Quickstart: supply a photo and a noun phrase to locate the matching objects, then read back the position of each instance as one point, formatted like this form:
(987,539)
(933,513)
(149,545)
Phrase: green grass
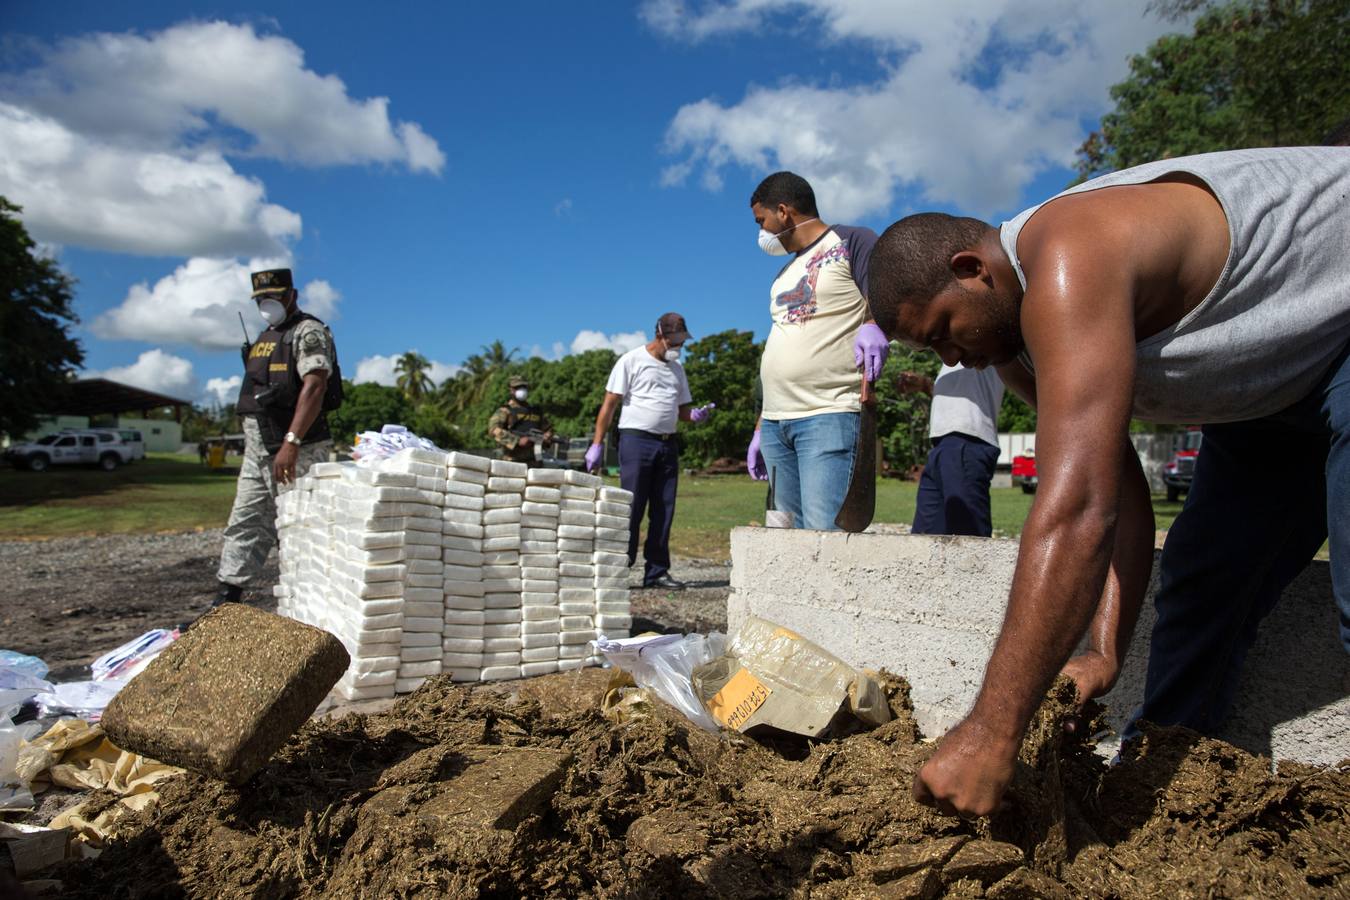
(173,492)
(163,492)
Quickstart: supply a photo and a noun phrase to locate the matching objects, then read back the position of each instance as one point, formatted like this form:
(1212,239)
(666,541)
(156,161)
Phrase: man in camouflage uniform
(511,425)
(291,382)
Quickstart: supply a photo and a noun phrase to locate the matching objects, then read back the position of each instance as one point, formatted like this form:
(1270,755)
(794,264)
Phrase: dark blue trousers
(954,488)
(650,468)
(1265,496)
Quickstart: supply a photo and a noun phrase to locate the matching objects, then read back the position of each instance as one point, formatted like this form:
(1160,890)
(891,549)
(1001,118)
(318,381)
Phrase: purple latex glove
(593,458)
(755,460)
(699,413)
(870,349)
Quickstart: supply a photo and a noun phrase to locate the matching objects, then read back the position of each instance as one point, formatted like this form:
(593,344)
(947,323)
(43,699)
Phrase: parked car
(129,438)
(69,448)
(1180,469)
(1024,471)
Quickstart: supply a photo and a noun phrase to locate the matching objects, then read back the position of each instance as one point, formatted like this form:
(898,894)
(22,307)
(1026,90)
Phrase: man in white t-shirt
(963,426)
(650,384)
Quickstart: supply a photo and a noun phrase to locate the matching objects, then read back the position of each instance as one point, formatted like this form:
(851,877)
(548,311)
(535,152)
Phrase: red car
(1180,469)
(1024,471)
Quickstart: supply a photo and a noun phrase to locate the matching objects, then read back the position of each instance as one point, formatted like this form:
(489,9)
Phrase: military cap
(518,381)
(272,281)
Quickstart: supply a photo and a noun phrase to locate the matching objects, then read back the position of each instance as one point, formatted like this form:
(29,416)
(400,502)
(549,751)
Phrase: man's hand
(699,413)
(593,458)
(283,465)
(1093,673)
(968,774)
(754,460)
(870,349)
(522,441)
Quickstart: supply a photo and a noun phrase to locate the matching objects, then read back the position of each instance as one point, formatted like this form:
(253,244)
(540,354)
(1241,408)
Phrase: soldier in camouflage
(517,425)
(291,382)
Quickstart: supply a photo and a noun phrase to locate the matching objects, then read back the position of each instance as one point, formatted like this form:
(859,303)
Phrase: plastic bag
(662,664)
(127,661)
(373,446)
(14,791)
(14,661)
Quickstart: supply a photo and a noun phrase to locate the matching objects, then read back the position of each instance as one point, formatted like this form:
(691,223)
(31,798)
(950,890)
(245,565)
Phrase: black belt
(650,434)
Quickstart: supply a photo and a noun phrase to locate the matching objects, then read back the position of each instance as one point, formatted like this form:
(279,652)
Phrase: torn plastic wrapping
(663,664)
(771,676)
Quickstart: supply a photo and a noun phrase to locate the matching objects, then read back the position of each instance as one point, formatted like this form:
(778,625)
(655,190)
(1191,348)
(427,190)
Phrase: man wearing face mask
(291,382)
(511,425)
(650,384)
(822,333)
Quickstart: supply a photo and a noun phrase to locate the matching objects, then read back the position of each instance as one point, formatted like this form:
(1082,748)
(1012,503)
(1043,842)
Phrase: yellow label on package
(738,699)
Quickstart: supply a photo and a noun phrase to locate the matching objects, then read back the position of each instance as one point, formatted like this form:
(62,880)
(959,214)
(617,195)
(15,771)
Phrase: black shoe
(228,593)
(665,583)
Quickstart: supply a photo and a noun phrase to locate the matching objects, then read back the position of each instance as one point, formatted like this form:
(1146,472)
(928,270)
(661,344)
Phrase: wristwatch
(291,438)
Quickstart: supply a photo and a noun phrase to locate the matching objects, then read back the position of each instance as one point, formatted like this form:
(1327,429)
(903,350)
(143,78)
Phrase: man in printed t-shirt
(805,439)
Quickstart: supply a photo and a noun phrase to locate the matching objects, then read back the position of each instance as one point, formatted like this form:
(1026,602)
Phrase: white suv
(72,448)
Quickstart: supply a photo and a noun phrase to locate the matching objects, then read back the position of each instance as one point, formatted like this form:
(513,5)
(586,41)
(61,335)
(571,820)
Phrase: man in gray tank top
(1209,289)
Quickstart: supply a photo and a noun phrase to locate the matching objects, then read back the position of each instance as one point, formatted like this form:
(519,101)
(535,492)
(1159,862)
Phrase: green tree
(902,419)
(723,368)
(367,407)
(413,379)
(1015,416)
(37,355)
(1258,73)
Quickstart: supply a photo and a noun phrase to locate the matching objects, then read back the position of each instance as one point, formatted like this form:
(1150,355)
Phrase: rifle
(244,347)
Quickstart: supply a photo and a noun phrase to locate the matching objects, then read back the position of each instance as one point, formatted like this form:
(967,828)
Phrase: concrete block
(929,608)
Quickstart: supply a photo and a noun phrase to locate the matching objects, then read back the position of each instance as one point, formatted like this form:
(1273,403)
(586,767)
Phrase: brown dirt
(527,790)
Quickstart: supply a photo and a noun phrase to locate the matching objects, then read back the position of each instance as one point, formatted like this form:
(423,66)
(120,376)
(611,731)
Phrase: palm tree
(413,379)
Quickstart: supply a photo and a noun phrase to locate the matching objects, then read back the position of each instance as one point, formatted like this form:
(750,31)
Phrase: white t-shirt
(966,400)
(653,391)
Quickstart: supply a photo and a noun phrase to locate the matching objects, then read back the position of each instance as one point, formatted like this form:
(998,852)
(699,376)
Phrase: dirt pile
(458,792)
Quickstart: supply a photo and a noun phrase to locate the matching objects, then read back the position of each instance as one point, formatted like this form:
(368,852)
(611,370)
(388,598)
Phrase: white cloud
(120,141)
(79,191)
(622,342)
(557,351)
(199,304)
(155,370)
(380,370)
(980,96)
(220,391)
(179,85)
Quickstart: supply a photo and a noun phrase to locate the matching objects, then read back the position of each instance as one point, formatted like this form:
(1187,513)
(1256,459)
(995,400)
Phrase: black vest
(271,387)
(523,419)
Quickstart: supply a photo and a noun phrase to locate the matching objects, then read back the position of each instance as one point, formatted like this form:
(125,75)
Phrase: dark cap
(518,381)
(272,281)
(671,326)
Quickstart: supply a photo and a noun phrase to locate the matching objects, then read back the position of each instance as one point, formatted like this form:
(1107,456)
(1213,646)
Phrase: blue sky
(551,175)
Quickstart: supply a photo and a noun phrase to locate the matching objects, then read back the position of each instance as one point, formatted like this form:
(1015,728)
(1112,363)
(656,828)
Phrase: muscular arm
(1077,320)
(310,403)
(606,415)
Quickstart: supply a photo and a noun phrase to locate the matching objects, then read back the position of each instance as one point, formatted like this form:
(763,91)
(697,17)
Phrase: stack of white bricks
(359,558)
(539,571)
(501,570)
(613,605)
(463,636)
(428,563)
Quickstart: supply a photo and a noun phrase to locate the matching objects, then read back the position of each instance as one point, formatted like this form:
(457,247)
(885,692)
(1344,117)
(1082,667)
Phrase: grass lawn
(163,492)
(174,492)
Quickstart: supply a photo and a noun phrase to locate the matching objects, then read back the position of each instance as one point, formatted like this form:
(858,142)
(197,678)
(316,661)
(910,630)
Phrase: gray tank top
(1279,313)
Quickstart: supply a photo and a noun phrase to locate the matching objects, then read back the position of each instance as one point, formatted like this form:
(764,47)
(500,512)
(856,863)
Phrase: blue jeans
(810,461)
(650,468)
(1266,494)
(954,489)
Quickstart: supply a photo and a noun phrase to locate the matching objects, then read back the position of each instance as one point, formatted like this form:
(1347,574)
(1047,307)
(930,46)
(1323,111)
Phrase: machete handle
(868,391)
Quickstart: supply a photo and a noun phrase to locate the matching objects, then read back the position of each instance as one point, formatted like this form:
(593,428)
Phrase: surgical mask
(771,244)
(521,394)
(672,354)
(272,311)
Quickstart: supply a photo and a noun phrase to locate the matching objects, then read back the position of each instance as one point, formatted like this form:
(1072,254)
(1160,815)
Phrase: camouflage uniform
(523,417)
(252,529)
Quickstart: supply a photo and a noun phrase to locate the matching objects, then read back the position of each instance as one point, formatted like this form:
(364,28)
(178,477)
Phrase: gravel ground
(70,600)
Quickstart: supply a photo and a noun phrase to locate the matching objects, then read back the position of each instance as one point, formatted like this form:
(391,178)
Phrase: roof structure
(99,396)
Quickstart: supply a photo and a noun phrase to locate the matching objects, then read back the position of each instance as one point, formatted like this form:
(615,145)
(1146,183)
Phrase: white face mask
(672,354)
(272,311)
(771,244)
(521,394)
